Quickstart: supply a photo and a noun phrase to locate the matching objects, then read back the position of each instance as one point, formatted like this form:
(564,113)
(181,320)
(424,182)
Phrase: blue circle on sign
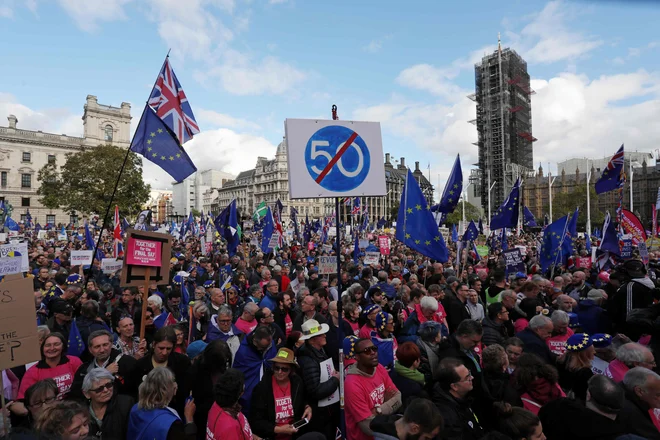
(349,170)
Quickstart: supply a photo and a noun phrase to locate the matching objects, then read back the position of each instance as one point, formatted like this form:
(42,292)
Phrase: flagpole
(588,228)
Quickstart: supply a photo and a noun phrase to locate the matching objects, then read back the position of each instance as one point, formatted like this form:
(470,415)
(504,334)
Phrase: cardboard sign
(10,265)
(514,261)
(81,258)
(111,265)
(372,258)
(143,252)
(7,250)
(583,262)
(135,275)
(19,343)
(3,237)
(327,265)
(384,244)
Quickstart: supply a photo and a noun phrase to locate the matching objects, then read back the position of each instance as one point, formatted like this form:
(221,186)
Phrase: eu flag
(503,243)
(571,235)
(454,234)
(612,177)
(471,233)
(587,243)
(415,225)
(610,241)
(506,215)
(551,245)
(268,231)
(76,346)
(89,241)
(453,188)
(226,223)
(528,217)
(155,142)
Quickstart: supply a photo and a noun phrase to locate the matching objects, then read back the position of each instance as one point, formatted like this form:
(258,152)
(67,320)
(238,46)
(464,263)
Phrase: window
(73,219)
(51,159)
(3,179)
(26,180)
(27,157)
(108,133)
(25,201)
(50,218)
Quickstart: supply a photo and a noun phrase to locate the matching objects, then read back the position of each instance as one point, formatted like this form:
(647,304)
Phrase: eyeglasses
(46,400)
(468,378)
(369,350)
(102,388)
(277,368)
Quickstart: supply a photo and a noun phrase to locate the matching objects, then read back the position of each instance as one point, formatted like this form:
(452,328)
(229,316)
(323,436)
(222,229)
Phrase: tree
(196,213)
(565,203)
(86,181)
(471,213)
(394,210)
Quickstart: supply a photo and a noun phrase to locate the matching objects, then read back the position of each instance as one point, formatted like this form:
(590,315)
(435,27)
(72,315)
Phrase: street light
(550,182)
(631,182)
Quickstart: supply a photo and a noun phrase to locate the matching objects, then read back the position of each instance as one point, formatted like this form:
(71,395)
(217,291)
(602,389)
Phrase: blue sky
(248,65)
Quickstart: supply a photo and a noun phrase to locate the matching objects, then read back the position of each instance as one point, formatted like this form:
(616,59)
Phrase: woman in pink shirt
(225,419)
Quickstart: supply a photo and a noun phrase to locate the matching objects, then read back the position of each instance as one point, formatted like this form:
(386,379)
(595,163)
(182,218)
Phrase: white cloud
(222,149)
(55,120)
(87,13)
(277,2)
(7,7)
(432,79)
(373,46)
(222,120)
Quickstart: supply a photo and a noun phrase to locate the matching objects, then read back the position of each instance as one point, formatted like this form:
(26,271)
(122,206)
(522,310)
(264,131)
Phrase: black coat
(124,378)
(460,421)
(457,311)
(115,420)
(332,345)
(493,333)
(535,345)
(497,387)
(409,389)
(565,418)
(262,409)
(298,322)
(279,316)
(636,418)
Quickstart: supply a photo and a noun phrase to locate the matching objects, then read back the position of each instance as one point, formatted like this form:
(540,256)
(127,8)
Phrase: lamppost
(550,182)
(464,199)
(631,181)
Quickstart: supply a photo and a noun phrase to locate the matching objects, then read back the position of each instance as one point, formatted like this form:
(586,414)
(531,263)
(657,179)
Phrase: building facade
(269,181)
(160,203)
(190,193)
(504,124)
(24,152)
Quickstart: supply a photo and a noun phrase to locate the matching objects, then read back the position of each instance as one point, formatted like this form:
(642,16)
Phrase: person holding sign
(279,400)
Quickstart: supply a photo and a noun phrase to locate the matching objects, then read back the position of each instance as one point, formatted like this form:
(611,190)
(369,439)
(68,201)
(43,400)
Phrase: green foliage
(471,213)
(86,181)
(196,213)
(394,210)
(565,203)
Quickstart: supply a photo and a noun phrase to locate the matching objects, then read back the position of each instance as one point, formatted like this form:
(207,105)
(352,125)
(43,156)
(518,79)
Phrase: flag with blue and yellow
(506,215)
(551,245)
(76,346)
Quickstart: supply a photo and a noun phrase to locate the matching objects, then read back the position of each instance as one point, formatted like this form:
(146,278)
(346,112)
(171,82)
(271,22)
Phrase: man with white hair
(629,356)
(560,332)
(642,398)
(156,304)
(534,337)
(424,311)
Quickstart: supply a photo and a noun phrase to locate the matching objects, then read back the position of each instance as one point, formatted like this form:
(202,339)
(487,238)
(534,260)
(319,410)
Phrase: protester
(108,411)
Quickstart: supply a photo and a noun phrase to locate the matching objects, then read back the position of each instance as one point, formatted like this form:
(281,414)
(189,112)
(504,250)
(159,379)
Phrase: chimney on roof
(403,163)
(416,166)
(12,121)
(387,158)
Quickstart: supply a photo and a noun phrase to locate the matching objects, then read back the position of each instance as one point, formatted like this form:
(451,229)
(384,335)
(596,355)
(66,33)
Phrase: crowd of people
(248,346)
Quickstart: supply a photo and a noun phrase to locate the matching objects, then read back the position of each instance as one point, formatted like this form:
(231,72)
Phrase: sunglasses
(102,388)
(368,350)
(277,368)
(42,402)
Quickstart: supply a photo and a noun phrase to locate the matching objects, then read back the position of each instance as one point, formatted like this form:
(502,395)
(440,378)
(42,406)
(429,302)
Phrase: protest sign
(135,274)
(327,248)
(384,244)
(143,252)
(514,261)
(19,343)
(626,249)
(41,235)
(583,263)
(8,250)
(327,265)
(81,258)
(10,265)
(482,250)
(111,265)
(643,252)
(363,244)
(3,237)
(372,258)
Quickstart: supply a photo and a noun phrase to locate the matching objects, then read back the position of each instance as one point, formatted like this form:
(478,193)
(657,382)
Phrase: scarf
(543,391)
(408,373)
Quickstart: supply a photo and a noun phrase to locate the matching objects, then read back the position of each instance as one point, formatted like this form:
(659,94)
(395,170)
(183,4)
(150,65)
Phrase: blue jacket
(268,301)
(252,363)
(387,289)
(592,318)
(215,333)
(150,424)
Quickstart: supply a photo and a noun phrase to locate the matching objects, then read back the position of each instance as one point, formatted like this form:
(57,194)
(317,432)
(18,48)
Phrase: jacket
(593,318)
(493,333)
(409,388)
(636,418)
(568,419)
(115,421)
(279,316)
(262,412)
(157,424)
(534,344)
(298,322)
(332,341)
(460,421)
(410,327)
(637,293)
(457,311)
(124,378)
(269,301)
(310,360)
(251,362)
(384,427)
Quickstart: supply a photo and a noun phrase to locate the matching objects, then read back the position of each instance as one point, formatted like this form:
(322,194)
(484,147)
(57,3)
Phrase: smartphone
(300,423)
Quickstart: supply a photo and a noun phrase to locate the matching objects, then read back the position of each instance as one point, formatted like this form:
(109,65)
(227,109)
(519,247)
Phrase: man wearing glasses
(370,391)
(450,394)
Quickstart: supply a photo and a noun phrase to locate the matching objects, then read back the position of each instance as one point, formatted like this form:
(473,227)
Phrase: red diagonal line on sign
(335,159)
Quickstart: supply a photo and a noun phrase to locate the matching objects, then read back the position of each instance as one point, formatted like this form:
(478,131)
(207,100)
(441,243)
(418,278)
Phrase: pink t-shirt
(616,370)
(283,407)
(62,374)
(221,425)
(441,314)
(365,332)
(557,344)
(355,326)
(288,324)
(244,326)
(365,393)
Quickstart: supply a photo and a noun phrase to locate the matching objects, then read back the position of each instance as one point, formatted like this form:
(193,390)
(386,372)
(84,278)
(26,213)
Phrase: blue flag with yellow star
(226,223)
(506,215)
(551,245)
(76,346)
(156,143)
(471,233)
(453,188)
(571,234)
(268,231)
(416,227)
(528,217)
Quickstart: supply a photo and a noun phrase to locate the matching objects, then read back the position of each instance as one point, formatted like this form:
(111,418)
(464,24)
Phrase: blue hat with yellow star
(208,284)
(579,342)
(381,320)
(349,346)
(74,279)
(573,320)
(602,340)
(370,308)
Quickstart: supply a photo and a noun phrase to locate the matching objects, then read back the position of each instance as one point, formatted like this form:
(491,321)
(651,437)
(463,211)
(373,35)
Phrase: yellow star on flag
(160,130)
(418,207)
(417,241)
(171,157)
(409,210)
(152,134)
(407,235)
(149,142)
(427,242)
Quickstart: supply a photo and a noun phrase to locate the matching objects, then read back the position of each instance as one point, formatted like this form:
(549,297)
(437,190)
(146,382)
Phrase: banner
(372,258)
(514,261)
(384,244)
(583,263)
(142,252)
(632,225)
(10,265)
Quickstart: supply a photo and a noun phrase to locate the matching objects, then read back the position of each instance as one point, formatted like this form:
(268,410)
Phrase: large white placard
(323,163)
(21,248)
(81,257)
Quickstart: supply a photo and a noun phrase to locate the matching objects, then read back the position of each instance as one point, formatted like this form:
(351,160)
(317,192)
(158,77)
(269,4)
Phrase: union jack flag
(616,160)
(356,206)
(116,235)
(171,105)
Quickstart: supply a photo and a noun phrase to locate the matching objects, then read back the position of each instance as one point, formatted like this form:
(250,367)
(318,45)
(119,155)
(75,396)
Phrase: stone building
(24,152)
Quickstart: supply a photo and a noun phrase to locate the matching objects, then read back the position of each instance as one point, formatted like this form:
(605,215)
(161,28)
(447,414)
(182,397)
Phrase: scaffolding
(504,122)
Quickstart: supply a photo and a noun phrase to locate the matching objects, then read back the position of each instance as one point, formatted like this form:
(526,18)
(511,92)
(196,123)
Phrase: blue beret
(370,308)
(209,283)
(602,340)
(74,279)
(381,320)
(573,320)
(579,342)
(349,346)
(177,280)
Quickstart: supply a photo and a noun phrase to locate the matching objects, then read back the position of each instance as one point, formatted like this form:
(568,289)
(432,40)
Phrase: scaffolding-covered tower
(504,123)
